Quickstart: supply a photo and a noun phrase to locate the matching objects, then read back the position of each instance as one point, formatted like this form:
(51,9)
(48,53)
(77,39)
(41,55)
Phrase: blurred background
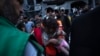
(32,7)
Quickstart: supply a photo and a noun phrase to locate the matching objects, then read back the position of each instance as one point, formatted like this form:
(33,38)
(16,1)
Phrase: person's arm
(64,47)
(53,41)
(65,51)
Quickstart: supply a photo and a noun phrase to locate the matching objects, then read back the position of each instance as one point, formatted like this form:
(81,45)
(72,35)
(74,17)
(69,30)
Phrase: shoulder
(89,16)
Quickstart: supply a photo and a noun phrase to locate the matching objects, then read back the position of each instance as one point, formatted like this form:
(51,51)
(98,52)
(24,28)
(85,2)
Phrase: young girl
(37,31)
(53,40)
(62,44)
(60,35)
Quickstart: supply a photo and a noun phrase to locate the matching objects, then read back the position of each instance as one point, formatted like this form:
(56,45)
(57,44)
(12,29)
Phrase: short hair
(25,18)
(57,11)
(49,9)
(8,11)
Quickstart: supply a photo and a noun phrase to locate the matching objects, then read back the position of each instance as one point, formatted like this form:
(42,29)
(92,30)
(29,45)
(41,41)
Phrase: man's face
(62,11)
(10,9)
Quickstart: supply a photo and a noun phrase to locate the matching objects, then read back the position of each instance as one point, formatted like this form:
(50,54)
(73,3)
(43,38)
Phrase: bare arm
(65,51)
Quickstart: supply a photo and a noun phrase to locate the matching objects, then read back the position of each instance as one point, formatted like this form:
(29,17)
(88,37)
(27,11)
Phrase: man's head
(62,10)
(37,16)
(49,10)
(25,19)
(10,9)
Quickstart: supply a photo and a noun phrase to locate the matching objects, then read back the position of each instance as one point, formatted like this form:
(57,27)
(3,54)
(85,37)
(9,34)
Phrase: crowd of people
(44,36)
(53,28)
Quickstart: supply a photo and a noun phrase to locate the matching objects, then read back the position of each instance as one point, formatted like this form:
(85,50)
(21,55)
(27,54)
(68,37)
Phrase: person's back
(28,26)
(85,35)
(15,41)
(6,38)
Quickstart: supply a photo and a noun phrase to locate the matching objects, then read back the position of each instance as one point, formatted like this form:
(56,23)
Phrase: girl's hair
(50,23)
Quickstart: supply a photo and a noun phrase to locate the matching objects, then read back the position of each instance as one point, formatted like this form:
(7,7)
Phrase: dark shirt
(85,34)
(20,26)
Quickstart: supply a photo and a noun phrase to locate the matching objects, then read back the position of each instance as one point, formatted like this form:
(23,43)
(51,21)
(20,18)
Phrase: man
(65,22)
(85,36)
(20,24)
(49,13)
(14,42)
(29,25)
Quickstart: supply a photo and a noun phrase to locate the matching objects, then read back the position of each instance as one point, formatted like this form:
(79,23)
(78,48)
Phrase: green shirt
(12,40)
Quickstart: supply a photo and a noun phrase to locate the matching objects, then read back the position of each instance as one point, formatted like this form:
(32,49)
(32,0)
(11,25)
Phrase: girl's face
(38,25)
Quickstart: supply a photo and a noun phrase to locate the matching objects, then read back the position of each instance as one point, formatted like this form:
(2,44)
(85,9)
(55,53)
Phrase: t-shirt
(28,26)
(38,35)
(30,50)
